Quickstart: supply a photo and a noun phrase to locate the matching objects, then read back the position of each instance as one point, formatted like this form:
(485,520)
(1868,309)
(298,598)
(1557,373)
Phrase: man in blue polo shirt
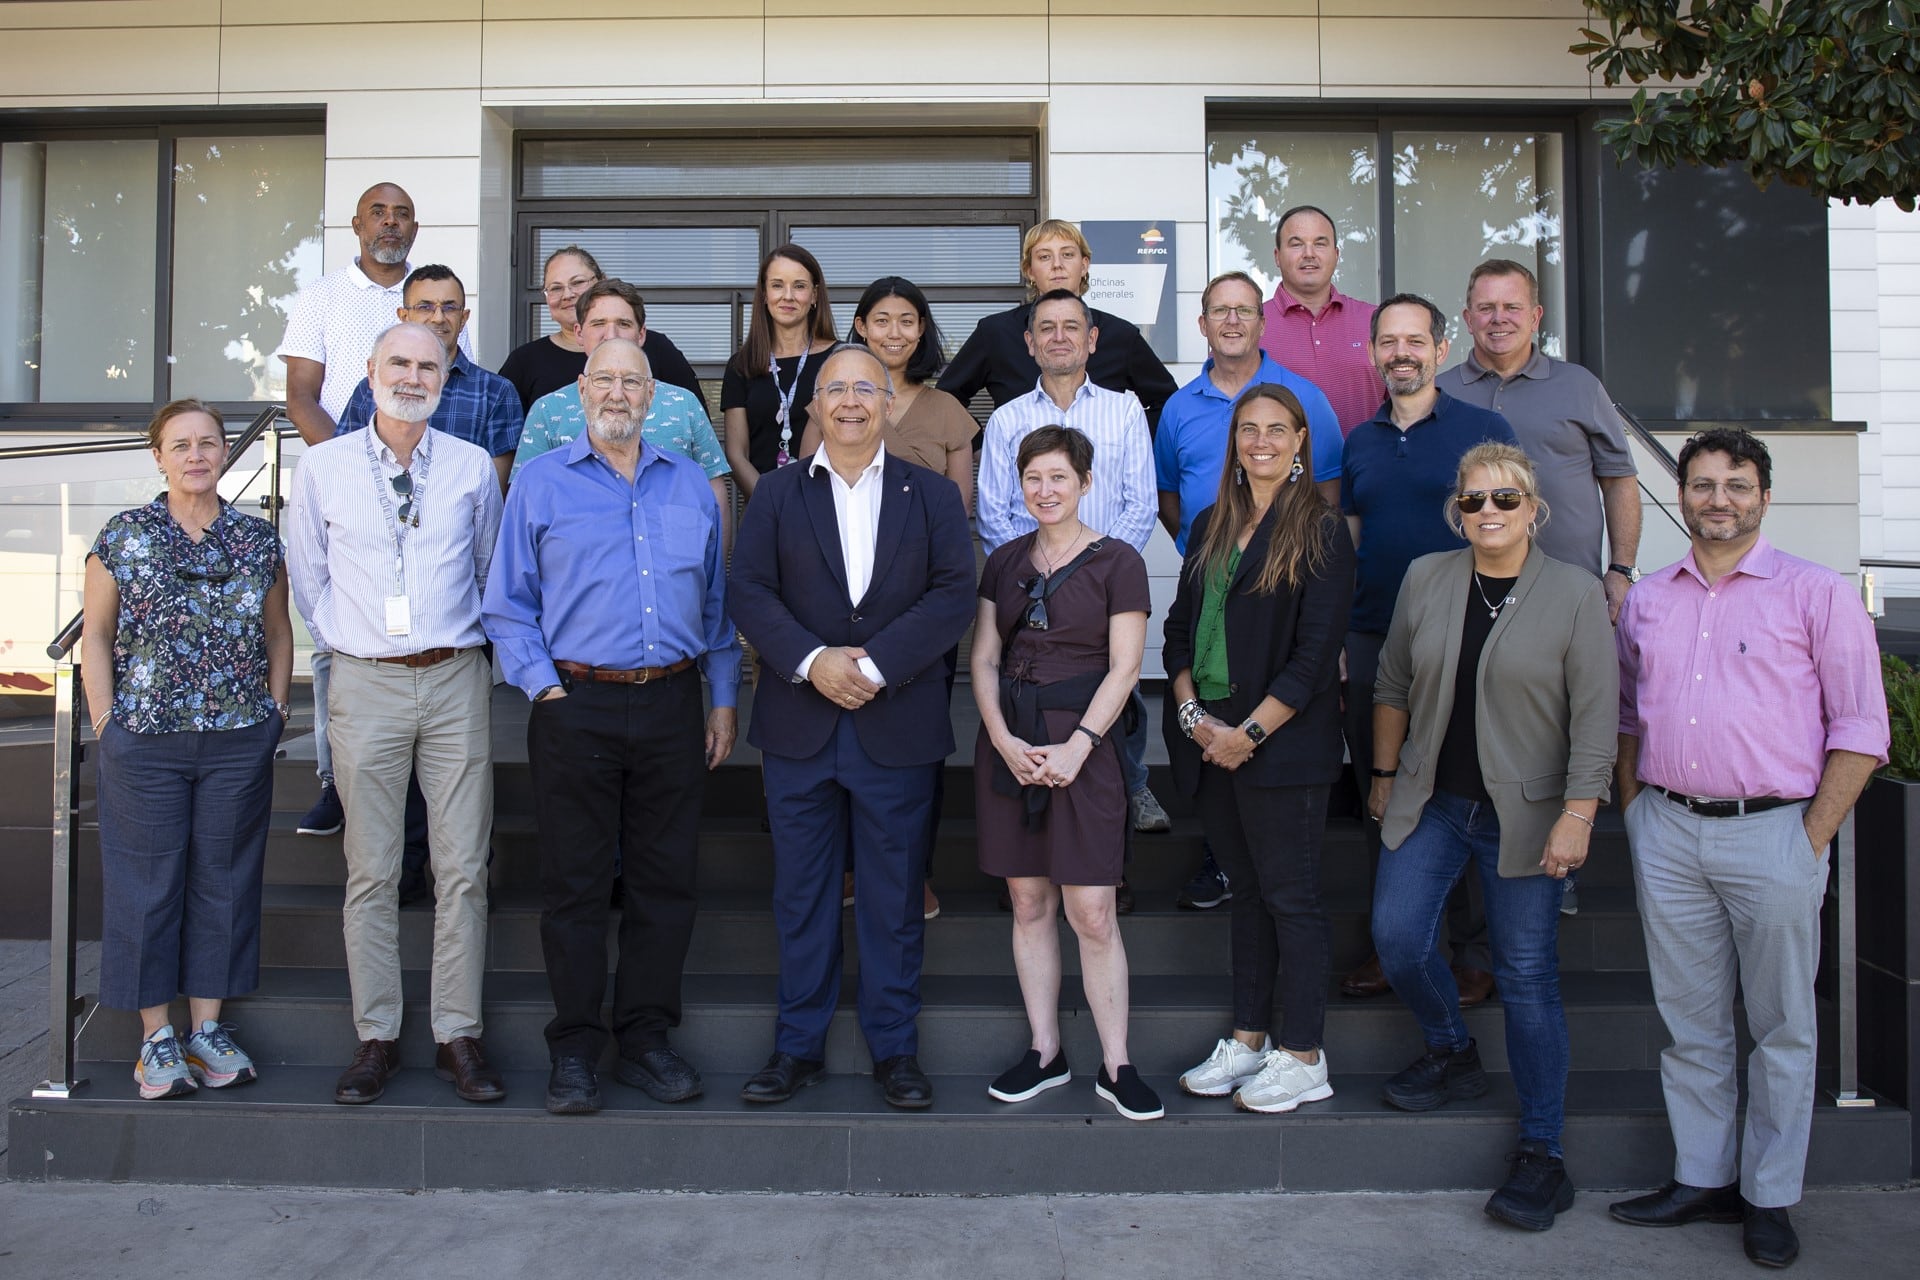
(1191,448)
(1397,475)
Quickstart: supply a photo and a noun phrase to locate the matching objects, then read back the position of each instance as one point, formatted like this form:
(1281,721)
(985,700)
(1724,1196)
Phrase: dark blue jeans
(1523,920)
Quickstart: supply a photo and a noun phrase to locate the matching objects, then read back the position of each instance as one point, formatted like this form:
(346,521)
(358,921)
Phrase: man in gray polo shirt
(1565,420)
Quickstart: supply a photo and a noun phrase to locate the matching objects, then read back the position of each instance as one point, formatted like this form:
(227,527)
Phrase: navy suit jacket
(788,595)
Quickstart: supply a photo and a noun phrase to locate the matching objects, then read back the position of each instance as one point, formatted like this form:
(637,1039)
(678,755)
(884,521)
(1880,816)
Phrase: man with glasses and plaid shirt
(389,542)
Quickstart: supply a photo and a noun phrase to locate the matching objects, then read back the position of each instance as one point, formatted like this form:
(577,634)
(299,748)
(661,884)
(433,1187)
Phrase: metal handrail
(69,712)
(1647,438)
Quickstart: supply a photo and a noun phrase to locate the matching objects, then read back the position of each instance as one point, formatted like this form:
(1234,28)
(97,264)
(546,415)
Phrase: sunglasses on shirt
(1505,499)
(403,486)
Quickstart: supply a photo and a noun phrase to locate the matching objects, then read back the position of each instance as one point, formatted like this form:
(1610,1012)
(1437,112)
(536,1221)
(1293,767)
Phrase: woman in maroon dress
(1056,651)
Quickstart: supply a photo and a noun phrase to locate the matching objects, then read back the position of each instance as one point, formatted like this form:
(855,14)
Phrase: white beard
(401,409)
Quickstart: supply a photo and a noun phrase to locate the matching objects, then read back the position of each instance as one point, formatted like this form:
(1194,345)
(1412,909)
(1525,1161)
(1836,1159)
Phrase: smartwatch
(1255,734)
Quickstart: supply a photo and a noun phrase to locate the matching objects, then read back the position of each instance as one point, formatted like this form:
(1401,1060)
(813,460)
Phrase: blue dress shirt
(475,405)
(1191,446)
(593,569)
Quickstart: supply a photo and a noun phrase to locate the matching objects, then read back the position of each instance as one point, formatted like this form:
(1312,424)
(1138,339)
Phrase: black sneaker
(1129,1094)
(327,816)
(1535,1190)
(1438,1077)
(1207,890)
(1027,1078)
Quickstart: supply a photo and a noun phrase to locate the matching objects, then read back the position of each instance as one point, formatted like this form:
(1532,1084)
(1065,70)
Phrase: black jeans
(617,767)
(1267,840)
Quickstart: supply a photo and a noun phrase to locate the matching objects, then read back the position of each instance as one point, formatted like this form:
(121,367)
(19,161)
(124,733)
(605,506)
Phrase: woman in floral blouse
(186,654)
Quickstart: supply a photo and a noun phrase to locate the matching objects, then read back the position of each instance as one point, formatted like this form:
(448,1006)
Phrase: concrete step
(839,1137)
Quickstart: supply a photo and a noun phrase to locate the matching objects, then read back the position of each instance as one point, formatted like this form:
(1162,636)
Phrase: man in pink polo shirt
(1314,329)
(1751,715)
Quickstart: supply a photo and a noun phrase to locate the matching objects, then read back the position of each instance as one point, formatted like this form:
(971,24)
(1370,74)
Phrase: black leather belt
(1726,808)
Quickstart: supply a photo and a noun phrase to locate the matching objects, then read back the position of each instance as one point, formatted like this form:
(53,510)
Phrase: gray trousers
(389,721)
(1726,899)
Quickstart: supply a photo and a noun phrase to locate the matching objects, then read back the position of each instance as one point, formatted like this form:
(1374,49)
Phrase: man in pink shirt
(1751,716)
(1314,329)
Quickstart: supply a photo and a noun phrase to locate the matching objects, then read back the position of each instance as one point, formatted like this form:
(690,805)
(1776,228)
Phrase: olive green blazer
(1548,709)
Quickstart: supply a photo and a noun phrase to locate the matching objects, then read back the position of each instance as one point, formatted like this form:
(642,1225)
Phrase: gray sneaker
(162,1071)
(215,1060)
(1146,813)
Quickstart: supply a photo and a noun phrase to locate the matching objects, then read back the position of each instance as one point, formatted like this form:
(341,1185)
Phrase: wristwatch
(1630,572)
(1255,734)
(542,695)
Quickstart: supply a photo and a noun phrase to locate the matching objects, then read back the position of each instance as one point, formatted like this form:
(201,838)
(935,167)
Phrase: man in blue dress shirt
(608,591)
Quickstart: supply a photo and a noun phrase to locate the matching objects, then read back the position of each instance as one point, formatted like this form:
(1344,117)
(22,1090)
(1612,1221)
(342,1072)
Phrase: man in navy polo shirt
(1397,475)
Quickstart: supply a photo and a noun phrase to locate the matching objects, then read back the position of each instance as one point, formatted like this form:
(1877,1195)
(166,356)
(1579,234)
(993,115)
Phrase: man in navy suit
(852,577)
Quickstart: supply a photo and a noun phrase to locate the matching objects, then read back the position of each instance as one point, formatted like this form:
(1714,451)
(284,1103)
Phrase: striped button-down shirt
(341,557)
(1122,502)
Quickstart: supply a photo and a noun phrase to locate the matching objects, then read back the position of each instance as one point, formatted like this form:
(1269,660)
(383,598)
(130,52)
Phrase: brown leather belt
(425,658)
(615,675)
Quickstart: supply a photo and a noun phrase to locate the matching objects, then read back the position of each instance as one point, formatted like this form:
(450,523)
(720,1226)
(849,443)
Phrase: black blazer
(1286,644)
(788,594)
(995,356)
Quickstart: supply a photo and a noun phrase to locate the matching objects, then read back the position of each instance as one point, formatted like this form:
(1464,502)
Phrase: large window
(151,264)
(1416,204)
(686,219)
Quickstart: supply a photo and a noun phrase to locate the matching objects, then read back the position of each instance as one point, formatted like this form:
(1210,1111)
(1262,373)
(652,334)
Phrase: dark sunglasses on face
(1505,499)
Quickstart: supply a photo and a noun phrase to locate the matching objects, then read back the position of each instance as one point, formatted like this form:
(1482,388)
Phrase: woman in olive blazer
(1494,728)
(1253,731)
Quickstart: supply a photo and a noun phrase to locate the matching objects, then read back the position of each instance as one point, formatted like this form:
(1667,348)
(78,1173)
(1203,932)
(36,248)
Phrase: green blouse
(1210,681)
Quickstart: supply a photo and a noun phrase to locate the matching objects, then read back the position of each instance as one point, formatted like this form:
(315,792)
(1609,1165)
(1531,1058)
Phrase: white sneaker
(1284,1083)
(1230,1065)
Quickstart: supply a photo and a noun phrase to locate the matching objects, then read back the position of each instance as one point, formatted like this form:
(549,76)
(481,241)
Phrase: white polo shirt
(335,321)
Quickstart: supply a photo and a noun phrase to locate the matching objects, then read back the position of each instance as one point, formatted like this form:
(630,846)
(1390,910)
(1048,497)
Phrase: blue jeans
(1133,751)
(1523,921)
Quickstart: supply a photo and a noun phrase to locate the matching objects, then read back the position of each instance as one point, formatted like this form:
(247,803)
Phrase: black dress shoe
(1677,1204)
(903,1083)
(662,1074)
(782,1077)
(1768,1237)
(573,1088)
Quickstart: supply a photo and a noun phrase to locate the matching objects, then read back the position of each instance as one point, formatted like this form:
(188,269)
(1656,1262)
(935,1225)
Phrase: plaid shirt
(479,407)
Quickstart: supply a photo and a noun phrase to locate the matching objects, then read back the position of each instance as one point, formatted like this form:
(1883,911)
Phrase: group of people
(1381,562)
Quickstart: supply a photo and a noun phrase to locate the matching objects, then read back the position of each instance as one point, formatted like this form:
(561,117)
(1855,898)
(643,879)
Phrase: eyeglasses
(1505,499)
(428,310)
(1037,591)
(1220,315)
(632,383)
(561,288)
(403,485)
(215,568)
(865,391)
(1738,490)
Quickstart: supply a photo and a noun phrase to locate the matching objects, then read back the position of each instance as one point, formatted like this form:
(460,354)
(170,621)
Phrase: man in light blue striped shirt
(1122,500)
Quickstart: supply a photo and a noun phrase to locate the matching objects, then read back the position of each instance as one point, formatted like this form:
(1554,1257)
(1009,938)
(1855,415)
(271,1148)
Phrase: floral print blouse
(190,653)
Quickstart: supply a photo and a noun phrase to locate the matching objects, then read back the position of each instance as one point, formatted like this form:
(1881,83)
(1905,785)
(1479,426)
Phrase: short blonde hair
(1052,229)
(1511,468)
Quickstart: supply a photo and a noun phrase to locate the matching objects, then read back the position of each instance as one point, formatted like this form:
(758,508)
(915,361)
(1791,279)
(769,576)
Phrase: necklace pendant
(1493,613)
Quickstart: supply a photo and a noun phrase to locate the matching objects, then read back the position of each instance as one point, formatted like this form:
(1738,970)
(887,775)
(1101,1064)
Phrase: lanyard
(381,485)
(785,416)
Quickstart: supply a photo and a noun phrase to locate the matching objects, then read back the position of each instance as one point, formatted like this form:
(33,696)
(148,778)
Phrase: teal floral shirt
(190,654)
(676,422)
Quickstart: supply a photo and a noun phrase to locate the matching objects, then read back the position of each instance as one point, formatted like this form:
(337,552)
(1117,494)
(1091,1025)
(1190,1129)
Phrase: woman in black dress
(1056,651)
(769,380)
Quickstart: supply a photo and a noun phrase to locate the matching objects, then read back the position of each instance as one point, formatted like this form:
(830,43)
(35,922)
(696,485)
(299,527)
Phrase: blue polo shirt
(1191,446)
(1399,483)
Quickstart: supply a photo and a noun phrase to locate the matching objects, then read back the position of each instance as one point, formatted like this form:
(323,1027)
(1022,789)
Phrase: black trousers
(1267,840)
(617,767)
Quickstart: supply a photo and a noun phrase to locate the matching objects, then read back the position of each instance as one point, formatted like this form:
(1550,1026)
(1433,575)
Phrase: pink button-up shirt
(1740,689)
(1333,351)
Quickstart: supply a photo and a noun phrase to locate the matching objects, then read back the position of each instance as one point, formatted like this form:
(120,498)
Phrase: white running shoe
(1284,1083)
(1230,1065)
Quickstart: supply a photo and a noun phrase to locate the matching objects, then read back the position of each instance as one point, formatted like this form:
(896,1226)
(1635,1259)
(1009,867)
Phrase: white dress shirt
(335,321)
(1123,501)
(856,510)
(340,552)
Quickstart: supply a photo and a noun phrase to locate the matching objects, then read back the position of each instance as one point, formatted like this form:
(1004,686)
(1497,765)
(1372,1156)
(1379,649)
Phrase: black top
(543,366)
(1458,769)
(761,399)
(996,358)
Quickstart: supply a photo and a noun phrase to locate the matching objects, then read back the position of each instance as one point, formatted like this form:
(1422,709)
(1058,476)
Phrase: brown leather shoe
(1475,986)
(464,1062)
(1365,982)
(365,1079)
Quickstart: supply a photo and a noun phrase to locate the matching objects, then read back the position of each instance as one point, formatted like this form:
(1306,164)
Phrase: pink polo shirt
(1739,690)
(1332,350)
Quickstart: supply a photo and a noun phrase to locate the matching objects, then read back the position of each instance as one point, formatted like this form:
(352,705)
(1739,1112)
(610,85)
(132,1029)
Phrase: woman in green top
(1253,732)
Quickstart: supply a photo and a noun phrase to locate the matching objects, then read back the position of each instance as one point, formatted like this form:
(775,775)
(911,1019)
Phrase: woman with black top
(1253,729)
(547,364)
(1494,722)
(769,381)
(1054,255)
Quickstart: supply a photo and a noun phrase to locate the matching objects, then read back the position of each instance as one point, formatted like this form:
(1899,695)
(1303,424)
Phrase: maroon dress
(1081,837)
